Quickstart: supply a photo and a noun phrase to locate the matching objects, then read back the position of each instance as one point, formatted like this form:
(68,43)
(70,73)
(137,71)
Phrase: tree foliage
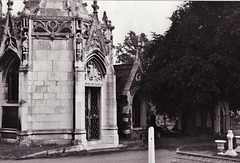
(133,44)
(197,61)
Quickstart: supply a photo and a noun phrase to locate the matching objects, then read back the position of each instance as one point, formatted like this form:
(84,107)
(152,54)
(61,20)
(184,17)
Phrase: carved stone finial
(95,6)
(25,2)
(105,18)
(26,10)
(10,4)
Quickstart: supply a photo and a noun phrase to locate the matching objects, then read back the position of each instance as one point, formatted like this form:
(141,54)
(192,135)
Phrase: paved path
(162,156)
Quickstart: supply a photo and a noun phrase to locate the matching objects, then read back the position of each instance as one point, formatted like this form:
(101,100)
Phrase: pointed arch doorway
(94,78)
(139,110)
(136,112)
(10,64)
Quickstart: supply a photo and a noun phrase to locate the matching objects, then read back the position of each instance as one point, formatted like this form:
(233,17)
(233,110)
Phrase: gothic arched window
(12,82)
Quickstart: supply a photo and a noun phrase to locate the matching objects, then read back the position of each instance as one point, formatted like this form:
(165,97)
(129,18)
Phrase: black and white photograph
(119,81)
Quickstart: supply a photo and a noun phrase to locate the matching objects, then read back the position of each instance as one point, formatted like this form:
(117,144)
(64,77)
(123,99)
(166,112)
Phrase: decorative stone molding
(79,41)
(93,74)
(52,28)
(25,51)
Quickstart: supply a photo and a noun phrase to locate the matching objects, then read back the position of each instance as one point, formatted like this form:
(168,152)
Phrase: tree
(197,61)
(132,46)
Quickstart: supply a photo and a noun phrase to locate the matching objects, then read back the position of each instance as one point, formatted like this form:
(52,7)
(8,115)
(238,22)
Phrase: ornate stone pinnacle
(10,4)
(105,18)
(95,6)
(26,10)
(25,2)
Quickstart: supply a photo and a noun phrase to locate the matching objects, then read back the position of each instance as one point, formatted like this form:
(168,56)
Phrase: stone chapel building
(57,82)
(133,104)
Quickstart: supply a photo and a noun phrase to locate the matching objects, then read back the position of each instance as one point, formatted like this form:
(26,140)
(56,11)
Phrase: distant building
(133,104)
(57,82)
(211,121)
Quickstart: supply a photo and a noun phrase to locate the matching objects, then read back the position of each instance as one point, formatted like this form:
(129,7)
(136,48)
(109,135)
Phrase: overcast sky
(138,16)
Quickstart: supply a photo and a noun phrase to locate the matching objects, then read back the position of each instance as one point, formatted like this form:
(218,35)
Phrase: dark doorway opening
(136,111)
(92,113)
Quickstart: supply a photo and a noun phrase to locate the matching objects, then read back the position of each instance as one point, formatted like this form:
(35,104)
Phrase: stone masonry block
(29,118)
(30,83)
(53,103)
(65,88)
(53,55)
(66,125)
(64,83)
(42,44)
(42,117)
(51,125)
(64,95)
(40,89)
(53,89)
(41,102)
(64,55)
(50,96)
(71,55)
(70,89)
(34,55)
(54,76)
(50,83)
(52,117)
(32,76)
(42,66)
(37,125)
(32,102)
(37,96)
(43,110)
(62,66)
(60,44)
(66,102)
(70,44)
(42,55)
(35,83)
(31,88)
(43,76)
(64,110)
(64,75)
(70,76)
(65,117)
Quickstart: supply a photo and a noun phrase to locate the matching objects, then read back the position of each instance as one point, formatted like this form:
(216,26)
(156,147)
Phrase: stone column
(217,120)
(227,116)
(23,80)
(23,105)
(109,129)
(80,131)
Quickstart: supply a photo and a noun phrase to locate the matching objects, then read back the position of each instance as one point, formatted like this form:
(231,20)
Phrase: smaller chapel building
(133,105)
(57,82)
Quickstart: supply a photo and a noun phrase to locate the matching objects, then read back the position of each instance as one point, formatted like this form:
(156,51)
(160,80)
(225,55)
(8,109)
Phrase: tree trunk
(189,127)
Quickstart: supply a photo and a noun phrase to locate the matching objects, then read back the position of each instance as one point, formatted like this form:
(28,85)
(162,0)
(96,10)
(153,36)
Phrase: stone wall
(51,85)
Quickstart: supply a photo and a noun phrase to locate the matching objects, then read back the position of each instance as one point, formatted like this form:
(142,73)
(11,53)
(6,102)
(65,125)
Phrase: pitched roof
(122,74)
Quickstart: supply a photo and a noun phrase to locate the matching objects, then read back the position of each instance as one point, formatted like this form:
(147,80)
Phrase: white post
(151,147)
(230,151)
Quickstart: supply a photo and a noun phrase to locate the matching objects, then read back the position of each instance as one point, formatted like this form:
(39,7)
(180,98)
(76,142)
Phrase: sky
(138,16)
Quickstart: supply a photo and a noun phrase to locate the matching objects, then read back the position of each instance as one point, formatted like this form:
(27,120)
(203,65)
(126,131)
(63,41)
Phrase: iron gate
(92,109)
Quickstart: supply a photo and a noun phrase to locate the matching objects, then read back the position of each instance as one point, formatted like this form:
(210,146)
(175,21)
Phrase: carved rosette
(93,73)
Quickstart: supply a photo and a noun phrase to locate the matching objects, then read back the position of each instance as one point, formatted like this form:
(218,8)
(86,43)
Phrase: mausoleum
(57,82)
